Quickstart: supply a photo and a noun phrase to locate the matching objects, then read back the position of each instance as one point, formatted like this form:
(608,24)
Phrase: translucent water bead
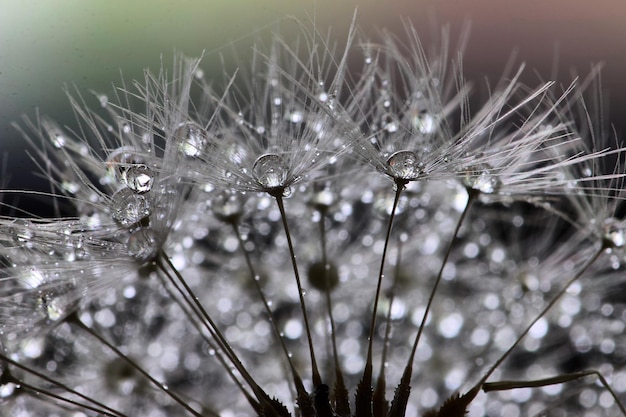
(138,178)
(404,165)
(423,122)
(142,244)
(615,232)
(271,171)
(481,179)
(55,306)
(119,161)
(128,208)
(192,138)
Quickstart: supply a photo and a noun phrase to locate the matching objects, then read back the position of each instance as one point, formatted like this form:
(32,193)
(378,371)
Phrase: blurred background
(47,44)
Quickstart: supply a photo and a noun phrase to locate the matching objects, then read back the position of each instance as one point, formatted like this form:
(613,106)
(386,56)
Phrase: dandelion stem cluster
(329,231)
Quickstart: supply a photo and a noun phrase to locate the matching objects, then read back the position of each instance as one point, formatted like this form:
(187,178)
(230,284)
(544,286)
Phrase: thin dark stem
(192,300)
(193,319)
(329,305)
(73,319)
(109,412)
(399,187)
(380,405)
(36,392)
(396,276)
(317,380)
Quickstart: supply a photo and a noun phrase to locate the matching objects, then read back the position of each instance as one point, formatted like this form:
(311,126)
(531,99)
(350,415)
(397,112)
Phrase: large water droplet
(404,165)
(270,171)
(193,139)
(128,208)
(138,178)
(142,244)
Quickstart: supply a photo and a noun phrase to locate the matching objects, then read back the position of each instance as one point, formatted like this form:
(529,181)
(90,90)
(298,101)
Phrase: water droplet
(119,161)
(142,244)
(481,179)
(424,122)
(193,139)
(296,116)
(128,208)
(103,99)
(56,304)
(615,231)
(58,140)
(138,178)
(270,171)
(404,165)
(70,186)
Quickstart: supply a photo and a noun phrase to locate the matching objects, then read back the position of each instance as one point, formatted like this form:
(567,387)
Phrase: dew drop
(58,140)
(119,161)
(296,116)
(128,208)
(424,122)
(142,244)
(70,186)
(404,165)
(270,171)
(193,139)
(615,231)
(138,178)
(56,304)
(480,179)
(103,99)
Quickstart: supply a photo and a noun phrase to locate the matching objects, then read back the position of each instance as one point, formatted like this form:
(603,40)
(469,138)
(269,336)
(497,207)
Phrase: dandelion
(169,283)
